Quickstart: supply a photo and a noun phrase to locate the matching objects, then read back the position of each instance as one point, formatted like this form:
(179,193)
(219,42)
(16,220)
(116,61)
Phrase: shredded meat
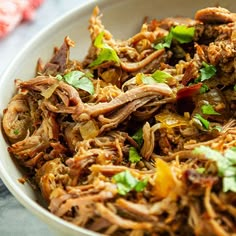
(16,119)
(111,146)
(215,15)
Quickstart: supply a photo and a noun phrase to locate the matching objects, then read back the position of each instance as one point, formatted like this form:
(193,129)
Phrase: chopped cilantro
(204,89)
(233,149)
(148,80)
(181,33)
(141,185)
(59,77)
(73,77)
(106,53)
(16,131)
(126,182)
(208,109)
(201,170)
(231,155)
(226,164)
(161,76)
(206,72)
(229,183)
(205,123)
(157,77)
(78,79)
(166,42)
(134,155)
(138,137)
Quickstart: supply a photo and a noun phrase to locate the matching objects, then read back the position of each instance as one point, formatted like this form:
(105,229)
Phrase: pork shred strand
(77,144)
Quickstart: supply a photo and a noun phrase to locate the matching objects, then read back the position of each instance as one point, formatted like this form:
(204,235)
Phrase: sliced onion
(171,120)
(49,91)
(89,129)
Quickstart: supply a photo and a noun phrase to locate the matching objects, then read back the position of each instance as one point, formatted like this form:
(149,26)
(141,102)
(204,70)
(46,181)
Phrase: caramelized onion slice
(171,120)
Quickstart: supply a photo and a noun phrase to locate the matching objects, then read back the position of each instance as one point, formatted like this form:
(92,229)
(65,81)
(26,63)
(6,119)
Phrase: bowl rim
(35,208)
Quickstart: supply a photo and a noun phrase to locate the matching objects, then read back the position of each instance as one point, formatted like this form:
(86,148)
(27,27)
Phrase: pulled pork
(120,158)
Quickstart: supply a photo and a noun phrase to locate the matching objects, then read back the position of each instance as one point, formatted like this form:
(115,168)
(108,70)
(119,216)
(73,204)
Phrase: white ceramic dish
(122,18)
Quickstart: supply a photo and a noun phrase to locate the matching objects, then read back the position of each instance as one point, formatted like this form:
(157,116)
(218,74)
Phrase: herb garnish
(106,53)
(126,182)
(208,109)
(138,137)
(201,170)
(166,42)
(206,72)
(226,164)
(148,80)
(204,88)
(78,79)
(134,155)
(16,131)
(157,77)
(205,123)
(161,76)
(181,33)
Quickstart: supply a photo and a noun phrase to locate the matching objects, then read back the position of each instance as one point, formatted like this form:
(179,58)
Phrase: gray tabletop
(14,218)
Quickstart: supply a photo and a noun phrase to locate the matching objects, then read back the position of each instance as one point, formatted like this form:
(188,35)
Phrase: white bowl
(123,18)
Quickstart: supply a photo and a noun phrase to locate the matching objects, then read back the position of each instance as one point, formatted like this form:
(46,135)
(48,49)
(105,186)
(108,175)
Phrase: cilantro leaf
(134,155)
(126,182)
(226,164)
(166,42)
(235,87)
(201,170)
(230,154)
(86,85)
(79,79)
(106,53)
(161,76)
(157,77)
(233,149)
(229,184)
(204,88)
(59,77)
(183,34)
(222,163)
(98,42)
(148,80)
(205,123)
(73,77)
(208,109)
(16,131)
(138,137)
(141,185)
(206,72)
